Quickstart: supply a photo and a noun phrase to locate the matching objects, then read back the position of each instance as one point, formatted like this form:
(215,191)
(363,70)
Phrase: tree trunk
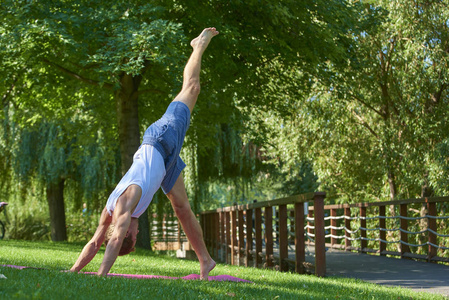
(143,237)
(392,184)
(128,119)
(129,137)
(426,191)
(55,198)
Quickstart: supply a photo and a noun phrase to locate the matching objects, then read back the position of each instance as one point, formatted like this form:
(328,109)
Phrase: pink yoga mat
(136,276)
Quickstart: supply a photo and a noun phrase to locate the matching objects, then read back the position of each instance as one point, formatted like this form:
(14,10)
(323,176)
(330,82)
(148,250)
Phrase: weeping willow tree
(46,155)
(52,141)
(227,161)
(233,170)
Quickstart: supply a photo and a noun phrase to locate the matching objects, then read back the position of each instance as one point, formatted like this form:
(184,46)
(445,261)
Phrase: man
(156,164)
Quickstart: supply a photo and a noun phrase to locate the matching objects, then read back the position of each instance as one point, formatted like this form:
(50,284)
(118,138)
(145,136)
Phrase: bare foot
(202,41)
(206,268)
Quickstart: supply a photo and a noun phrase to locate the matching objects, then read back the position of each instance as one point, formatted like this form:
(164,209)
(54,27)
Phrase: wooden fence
(412,228)
(246,234)
(167,233)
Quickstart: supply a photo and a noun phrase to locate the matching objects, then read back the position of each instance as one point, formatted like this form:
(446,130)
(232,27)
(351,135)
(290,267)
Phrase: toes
(212,30)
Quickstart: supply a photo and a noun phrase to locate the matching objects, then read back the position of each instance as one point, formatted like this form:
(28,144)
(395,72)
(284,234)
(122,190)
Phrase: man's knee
(181,208)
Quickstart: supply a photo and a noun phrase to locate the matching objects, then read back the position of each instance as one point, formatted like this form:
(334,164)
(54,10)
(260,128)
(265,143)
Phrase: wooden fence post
(269,236)
(222,235)
(212,236)
(432,225)
(276,213)
(216,226)
(300,253)
(404,226)
(234,234)
(178,237)
(258,224)
(217,233)
(241,240)
(283,238)
(210,231)
(204,227)
(382,232)
(228,235)
(363,241)
(206,232)
(164,226)
(249,238)
(347,228)
(320,241)
(333,225)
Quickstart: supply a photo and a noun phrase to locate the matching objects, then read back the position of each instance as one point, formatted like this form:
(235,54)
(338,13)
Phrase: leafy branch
(77,76)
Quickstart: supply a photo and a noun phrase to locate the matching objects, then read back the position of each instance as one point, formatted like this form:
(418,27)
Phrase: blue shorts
(167,136)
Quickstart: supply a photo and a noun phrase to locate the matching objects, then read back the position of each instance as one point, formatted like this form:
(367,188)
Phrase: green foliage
(27,216)
(111,37)
(373,130)
(28,227)
(81,226)
(440,168)
(247,71)
(65,129)
(27,221)
(49,153)
(352,96)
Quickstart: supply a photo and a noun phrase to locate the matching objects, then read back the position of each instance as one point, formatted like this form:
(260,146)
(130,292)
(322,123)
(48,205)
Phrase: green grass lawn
(267,284)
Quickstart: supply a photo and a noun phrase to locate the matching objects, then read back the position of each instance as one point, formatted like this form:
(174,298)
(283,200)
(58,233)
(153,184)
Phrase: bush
(81,226)
(25,226)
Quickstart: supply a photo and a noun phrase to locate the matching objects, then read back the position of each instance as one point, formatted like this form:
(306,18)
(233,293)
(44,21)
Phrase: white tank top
(147,171)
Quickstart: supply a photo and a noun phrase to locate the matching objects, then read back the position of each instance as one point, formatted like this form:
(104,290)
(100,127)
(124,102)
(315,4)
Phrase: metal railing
(412,228)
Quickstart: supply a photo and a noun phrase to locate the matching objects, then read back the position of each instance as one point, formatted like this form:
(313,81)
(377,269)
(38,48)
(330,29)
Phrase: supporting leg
(190,225)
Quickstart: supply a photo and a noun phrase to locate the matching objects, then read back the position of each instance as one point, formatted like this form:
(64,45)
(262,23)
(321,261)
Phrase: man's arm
(92,247)
(115,243)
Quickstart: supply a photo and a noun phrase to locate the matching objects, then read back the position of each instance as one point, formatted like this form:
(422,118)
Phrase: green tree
(378,127)
(135,50)
(56,145)
(109,47)
(267,55)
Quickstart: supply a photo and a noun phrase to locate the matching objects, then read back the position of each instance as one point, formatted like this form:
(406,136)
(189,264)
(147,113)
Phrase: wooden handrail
(270,203)
(386,203)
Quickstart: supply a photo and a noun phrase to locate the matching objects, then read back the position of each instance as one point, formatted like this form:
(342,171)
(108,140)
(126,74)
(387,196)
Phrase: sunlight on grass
(267,284)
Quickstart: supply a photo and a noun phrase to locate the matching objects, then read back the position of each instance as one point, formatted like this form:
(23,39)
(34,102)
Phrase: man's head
(130,239)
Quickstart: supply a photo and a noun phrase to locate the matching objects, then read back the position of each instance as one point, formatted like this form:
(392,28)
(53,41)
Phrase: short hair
(127,245)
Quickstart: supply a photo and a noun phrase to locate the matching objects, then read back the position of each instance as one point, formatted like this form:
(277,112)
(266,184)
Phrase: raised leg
(190,225)
(191,77)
